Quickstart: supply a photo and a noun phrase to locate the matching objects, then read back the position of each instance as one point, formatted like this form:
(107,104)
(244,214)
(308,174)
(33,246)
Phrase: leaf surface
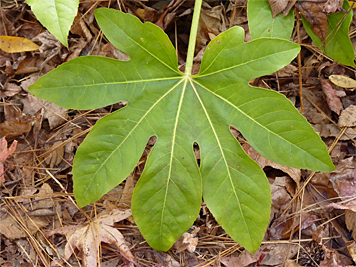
(338,45)
(56,15)
(262,24)
(180,110)
(13,44)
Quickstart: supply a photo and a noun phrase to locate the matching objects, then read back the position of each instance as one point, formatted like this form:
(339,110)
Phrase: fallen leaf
(348,117)
(10,89)
(295,174)
(331,130)
(188,241)
(333,6)
(4,153)
(27,66)
(41,198)
(343,180)
(125,200)
(277,253)
(56,115)
(277,6)
(244,259)
(287,71)
(312,11)
(12,44)
(291,263)
(50,46)
(11,228)
(330,258)
(331,97)
(87,238)
(56,155)
(342,81)
(350,220)
(10,129)
(351,246)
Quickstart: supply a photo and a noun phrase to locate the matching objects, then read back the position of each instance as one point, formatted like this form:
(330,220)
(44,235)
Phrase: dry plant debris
(313,219)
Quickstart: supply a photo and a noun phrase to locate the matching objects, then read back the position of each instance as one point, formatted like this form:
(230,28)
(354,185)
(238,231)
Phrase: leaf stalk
(193,37)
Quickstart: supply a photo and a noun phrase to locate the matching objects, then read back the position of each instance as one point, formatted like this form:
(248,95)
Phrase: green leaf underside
(56,15)
(180,109)
(262,24)
(338,44)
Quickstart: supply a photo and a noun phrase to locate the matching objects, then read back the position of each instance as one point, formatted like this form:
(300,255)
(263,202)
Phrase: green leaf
(56,15)
(181,109)
(262,24)
(338,43)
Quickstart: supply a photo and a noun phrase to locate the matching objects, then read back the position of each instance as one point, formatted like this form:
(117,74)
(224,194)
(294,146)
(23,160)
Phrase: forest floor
(313,219)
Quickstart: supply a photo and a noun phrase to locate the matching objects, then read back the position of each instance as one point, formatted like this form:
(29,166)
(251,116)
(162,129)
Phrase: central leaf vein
(174,136)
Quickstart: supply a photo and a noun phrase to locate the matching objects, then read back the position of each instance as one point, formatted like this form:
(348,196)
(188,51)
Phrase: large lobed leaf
(182,109)
(56,15)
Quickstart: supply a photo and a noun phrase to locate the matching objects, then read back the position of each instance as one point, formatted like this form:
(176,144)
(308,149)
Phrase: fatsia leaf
(262,24)
(56,15)
(182,109)
(338,45)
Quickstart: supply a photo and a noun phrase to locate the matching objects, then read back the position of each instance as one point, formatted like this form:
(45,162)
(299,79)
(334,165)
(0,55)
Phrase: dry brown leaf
(12,44)
(291,263)
(50,46)
(351,246)
(42,200)
(312,11)
(348,117)
(56,115)
(13,229)
(86,238)
(4,153)
(331,97)
(344,182)
(331,130)
(333,6)
(277,6)
(280,197)
(188,241)
(331,258)
(350,220)
(295,174)
(244,259)
(27,65)
(56,156)
(125,200)
(342,81)
(10,89)
(276,254)
(10,129)
(287,71)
